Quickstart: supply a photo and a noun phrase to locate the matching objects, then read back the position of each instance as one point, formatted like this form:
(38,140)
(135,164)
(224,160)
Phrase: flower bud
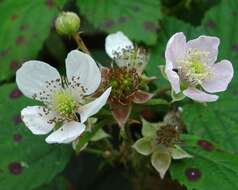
(67,23)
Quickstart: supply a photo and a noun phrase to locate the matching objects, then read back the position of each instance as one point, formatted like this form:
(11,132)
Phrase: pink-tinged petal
(208,44)
(219,81)
(141,97)
(67,133)
(121,113)
(176,48)
(199,96)
(172,77)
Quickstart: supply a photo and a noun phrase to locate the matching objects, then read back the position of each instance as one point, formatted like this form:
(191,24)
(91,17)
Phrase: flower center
(194,68)
(64,104)
(197,67)
(167,135)
(124,82)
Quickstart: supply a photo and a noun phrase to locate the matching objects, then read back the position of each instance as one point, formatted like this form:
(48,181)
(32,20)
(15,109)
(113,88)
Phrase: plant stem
(94,151)
(80,43)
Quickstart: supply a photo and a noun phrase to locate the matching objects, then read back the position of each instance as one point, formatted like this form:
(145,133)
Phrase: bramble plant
(145,107)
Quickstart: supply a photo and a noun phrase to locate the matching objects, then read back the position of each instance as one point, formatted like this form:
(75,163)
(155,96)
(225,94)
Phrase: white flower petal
(31,79)
(82,71)
(176,48)
(36,119)
(208,44)
(93,107)
(67,133)
(116,43)
(199,95)
(172,77)
(223,73)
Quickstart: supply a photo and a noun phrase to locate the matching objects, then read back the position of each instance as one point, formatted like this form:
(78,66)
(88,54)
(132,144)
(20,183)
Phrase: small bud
(67,23)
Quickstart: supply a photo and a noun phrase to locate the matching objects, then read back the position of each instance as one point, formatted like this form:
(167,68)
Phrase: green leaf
(218,121)
(59,183)
(209,169)
(138,19)
(27,161)
(23,31)
(161,162)
(87,136)
(144,146)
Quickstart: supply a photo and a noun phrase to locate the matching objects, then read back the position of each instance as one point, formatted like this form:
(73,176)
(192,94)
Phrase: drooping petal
(141,97)
(121,113)
(82,72)
(207,44)
(115,43)
(149,129)
(37,79)
(178,153)
(67,133)
(172,77)
(223,73)
(37,119)
(199,96)
(161,162)
(176,48)
(93,107)
(144,146)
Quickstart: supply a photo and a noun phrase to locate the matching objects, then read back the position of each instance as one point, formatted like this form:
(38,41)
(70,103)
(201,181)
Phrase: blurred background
(27,32)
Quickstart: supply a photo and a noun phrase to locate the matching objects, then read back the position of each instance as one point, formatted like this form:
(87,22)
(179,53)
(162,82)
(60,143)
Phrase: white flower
(121,49)
(63,98)
(125,79)
(190,67)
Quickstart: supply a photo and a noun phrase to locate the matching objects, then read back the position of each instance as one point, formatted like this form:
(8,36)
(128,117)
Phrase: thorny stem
(80,43)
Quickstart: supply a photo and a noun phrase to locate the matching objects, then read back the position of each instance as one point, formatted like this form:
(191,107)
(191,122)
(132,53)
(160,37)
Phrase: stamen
(167,135)
(45,95)
(194,68)
(124,82)
(64,104)
(132,58)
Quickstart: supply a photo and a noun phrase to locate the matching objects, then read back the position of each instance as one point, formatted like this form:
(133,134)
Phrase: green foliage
(210,169)
(218,121)
(27,161)
(87,136)
(138,19)
(24,27)
(59,183)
